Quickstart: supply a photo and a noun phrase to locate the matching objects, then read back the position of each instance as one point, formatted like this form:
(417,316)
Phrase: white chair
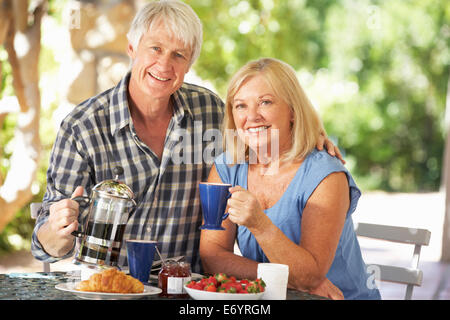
(34,209)
(418,237)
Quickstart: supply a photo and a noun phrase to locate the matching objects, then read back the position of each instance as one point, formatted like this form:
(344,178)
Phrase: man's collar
(118,105)
(181,105)
(120,112)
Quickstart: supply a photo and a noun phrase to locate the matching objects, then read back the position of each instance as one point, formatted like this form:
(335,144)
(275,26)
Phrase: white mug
(275,276)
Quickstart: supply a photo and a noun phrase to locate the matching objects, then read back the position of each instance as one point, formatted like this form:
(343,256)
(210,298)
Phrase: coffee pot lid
(114,187)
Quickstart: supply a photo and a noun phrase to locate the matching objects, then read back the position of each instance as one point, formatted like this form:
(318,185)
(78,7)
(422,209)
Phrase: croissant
(111,281)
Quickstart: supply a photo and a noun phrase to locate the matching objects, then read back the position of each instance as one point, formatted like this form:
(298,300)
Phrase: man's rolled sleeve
(67,170)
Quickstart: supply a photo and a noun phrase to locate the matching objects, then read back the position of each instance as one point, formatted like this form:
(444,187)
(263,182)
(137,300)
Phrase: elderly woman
(290,203)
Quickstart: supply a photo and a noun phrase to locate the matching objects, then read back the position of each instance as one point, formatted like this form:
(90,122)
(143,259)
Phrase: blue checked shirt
(99,135)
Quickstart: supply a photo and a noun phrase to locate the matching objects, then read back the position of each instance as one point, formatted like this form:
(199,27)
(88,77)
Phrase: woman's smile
(257,129)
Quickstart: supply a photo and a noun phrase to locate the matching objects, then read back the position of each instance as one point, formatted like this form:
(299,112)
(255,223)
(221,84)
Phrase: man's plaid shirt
(99,135)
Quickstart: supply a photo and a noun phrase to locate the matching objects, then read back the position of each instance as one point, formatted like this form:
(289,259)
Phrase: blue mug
(213,197)
(140,255)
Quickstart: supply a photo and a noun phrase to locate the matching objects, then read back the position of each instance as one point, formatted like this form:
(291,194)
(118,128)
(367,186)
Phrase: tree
(236,32)
(96,60)
(21,40)
(391,126)
(376,70)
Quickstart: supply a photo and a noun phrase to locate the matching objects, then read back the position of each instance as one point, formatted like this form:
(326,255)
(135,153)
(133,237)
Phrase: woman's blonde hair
(307,125)
(178,18)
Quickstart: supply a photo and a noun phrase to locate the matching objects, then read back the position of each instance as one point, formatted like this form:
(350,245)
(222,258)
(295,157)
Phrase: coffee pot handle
(83,201)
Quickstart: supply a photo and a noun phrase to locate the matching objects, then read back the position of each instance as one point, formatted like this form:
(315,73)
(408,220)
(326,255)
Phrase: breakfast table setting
(45,292)
(60,285)
(148,275)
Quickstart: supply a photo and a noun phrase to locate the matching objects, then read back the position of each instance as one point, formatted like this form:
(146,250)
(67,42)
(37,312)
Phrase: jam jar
(172,278)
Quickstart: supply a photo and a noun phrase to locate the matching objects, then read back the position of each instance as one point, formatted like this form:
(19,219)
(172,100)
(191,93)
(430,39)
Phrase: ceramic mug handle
(226,213)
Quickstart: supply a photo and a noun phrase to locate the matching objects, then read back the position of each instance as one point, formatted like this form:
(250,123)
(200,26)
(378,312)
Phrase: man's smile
(157,77)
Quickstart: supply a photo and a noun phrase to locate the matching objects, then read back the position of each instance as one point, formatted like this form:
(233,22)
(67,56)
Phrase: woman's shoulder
(321,160)
(318,165)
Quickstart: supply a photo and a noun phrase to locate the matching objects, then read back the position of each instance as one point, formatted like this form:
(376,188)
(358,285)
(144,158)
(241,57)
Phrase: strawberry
(212,280)
(210,287)
(261,282)
(223,286)
(220,282)
(231,290)
(226,282)
(221,277)
(253,287)
(221,289)
(197,286)
(239,287)
(235,285)
(244,282)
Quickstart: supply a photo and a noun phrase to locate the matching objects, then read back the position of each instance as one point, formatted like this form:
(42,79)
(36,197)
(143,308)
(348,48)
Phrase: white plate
(70,287)
(206,295)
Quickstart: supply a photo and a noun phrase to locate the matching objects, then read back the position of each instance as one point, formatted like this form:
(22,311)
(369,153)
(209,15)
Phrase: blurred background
(377,72)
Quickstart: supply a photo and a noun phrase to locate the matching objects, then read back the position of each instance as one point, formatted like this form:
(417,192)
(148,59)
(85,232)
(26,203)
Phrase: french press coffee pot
(110,205)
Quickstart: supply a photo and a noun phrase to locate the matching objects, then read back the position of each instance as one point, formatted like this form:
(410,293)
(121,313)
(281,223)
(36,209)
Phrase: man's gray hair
(178,17)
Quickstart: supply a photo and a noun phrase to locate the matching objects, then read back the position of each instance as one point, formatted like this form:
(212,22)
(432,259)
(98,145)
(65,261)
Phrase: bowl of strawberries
(222,287)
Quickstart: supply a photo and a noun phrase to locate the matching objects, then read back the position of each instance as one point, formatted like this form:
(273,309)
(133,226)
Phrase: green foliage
(402,73)
(380,71)
(238,31)
(5,74)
